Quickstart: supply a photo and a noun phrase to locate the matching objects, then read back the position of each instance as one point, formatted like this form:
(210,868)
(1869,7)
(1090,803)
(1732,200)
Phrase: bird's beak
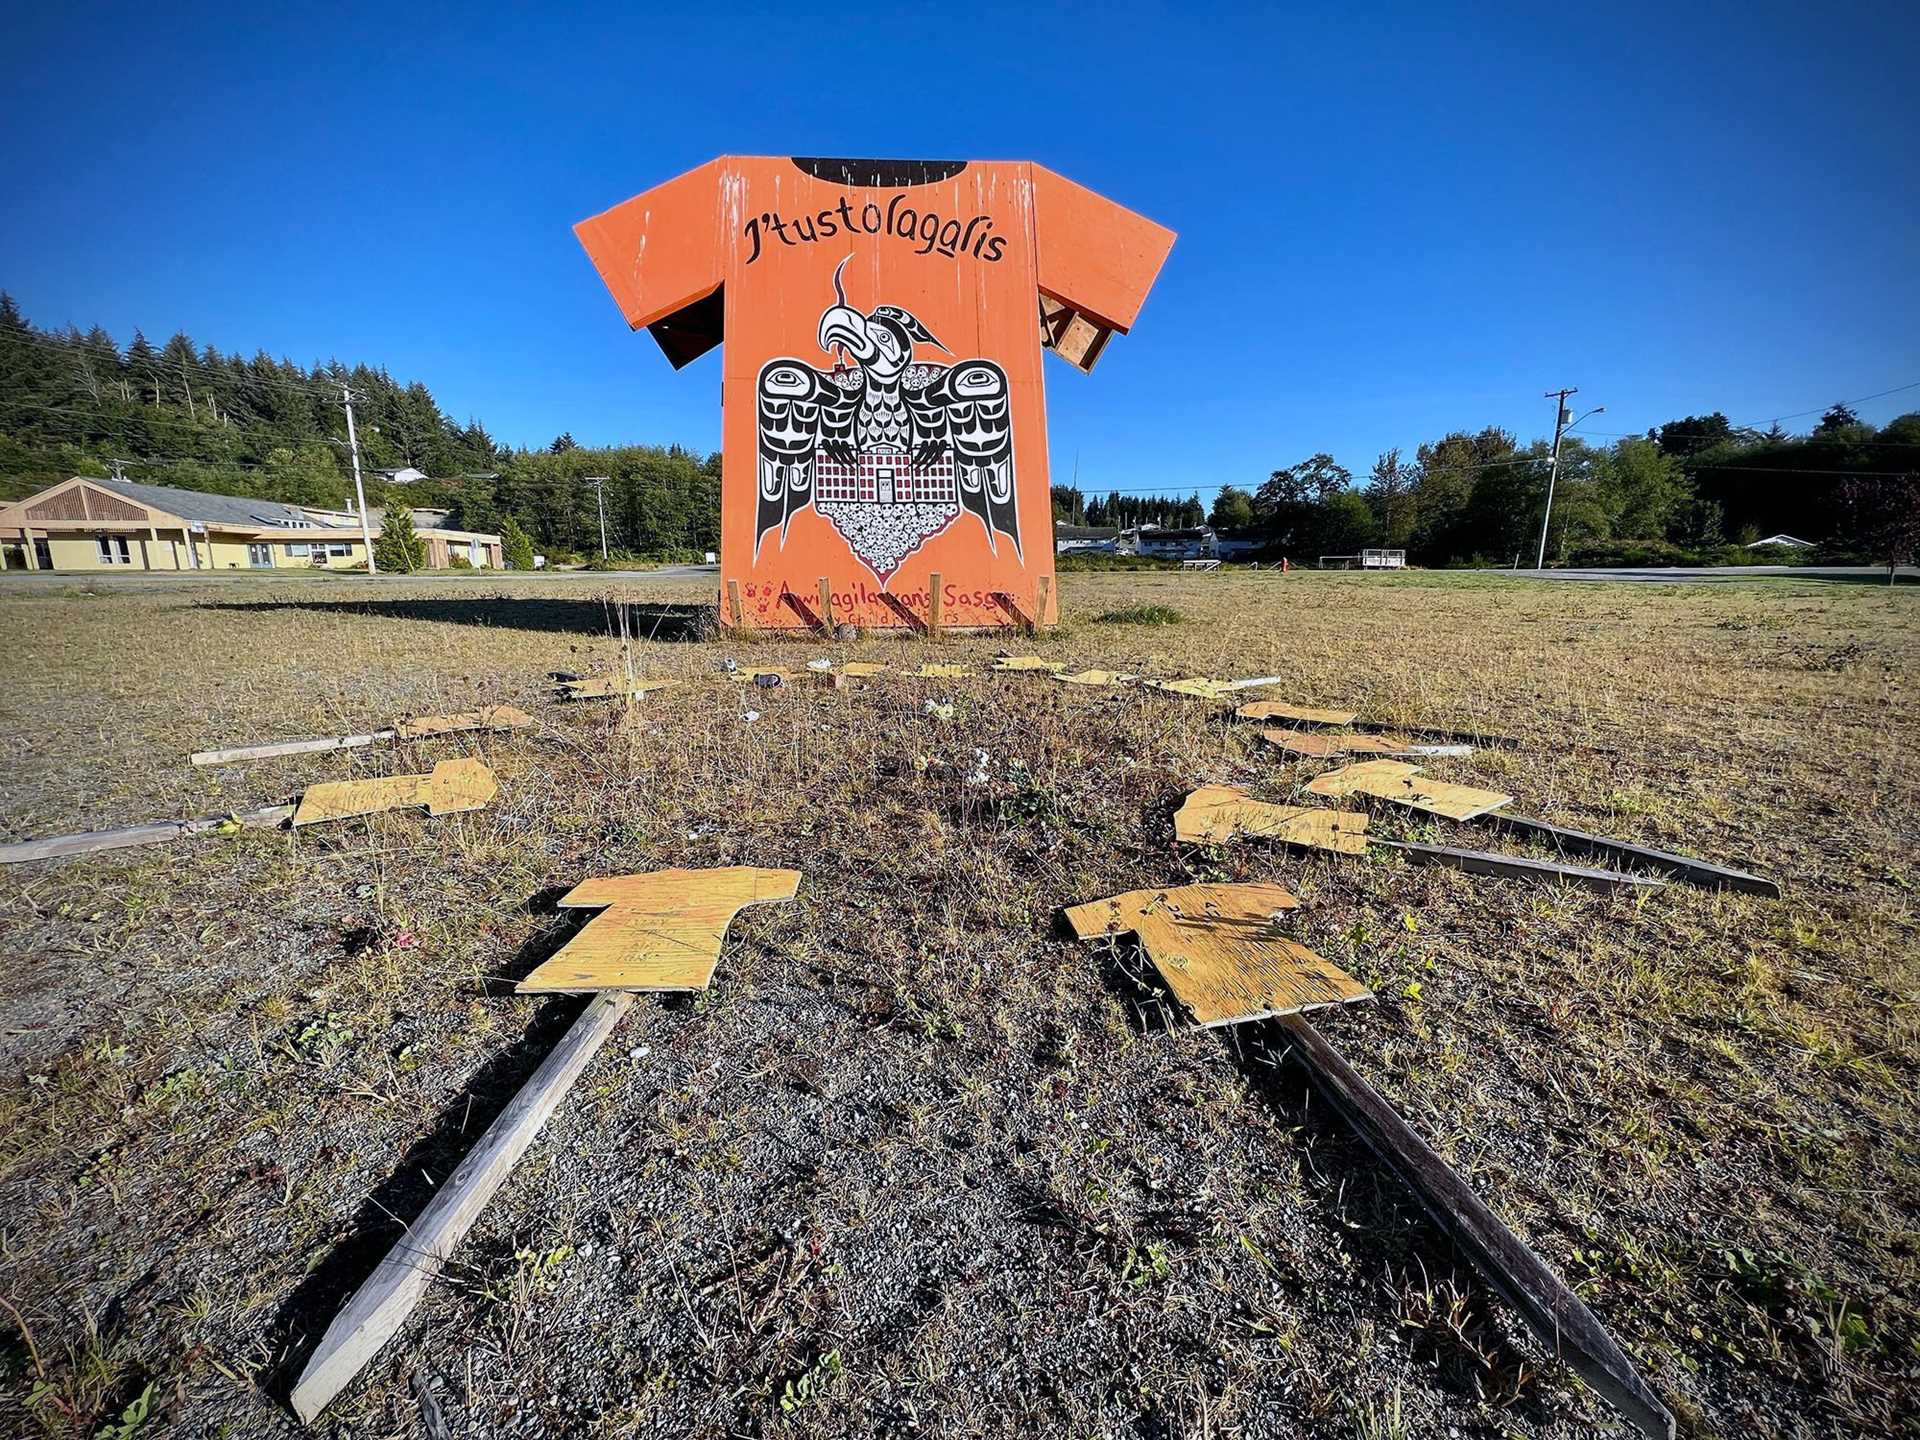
(845,326)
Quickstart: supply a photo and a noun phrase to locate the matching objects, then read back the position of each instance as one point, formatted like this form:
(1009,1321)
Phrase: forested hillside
(186,415)
(181,414)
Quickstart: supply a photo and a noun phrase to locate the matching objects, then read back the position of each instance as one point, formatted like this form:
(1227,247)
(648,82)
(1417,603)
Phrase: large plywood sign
(883,322)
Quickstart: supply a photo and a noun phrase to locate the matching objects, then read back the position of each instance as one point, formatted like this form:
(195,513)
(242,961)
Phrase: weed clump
(1141,615)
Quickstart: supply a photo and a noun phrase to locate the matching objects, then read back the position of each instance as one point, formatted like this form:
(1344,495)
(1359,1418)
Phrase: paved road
(1728,572)
(49,579)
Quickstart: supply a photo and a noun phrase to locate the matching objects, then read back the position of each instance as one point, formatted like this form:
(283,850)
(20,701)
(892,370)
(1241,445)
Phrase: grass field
(916,1164)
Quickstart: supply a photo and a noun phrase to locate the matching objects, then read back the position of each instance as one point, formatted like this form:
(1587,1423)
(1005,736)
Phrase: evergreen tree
(397,547)
(516,546)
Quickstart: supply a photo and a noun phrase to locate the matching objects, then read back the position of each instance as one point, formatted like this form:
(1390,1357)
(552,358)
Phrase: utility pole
(359,489)
(1560,417)
(599,483)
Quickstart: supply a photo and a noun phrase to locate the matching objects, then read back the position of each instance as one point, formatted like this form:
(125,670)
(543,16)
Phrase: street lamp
(1561,425)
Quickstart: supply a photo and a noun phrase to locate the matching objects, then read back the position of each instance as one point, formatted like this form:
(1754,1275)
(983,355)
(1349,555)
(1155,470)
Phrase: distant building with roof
(86,523)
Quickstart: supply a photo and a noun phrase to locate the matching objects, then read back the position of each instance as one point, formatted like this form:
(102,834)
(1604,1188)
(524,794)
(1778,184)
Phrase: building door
(260,557)
(43,554)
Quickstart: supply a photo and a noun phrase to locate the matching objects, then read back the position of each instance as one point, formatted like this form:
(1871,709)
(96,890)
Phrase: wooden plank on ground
(380,1306)
(419,727)
(1299,714)
(1519,867)
(1563,1324)
(861,669)
(939,672)
(1322,746)
(281,748)
(1680,867)
(1219,949)
(453,786)
(1095,678)
(1404,785)
(658,931)
(157,832)
(488,717)
(1216,814)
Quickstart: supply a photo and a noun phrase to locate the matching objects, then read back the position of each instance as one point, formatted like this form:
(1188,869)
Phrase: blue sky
(1394,220)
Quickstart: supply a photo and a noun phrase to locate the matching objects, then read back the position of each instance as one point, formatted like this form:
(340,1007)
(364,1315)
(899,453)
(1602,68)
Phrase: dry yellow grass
(917,1160)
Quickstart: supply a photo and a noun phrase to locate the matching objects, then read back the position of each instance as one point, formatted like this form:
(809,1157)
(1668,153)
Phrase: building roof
(242,512)
(1085,532)
(1204,532)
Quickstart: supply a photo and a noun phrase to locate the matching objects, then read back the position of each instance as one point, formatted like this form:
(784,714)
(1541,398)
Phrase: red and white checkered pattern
(885,477)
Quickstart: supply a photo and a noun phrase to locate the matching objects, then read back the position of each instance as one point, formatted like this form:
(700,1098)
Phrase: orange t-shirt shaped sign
(883,322)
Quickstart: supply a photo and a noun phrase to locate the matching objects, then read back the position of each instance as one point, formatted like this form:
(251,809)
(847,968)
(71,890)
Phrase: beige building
(89,524)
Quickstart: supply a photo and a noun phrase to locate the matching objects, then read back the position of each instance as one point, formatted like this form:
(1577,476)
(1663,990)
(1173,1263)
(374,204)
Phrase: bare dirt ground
(917,1165)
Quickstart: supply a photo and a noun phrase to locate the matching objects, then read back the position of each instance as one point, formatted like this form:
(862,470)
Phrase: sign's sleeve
(663,255)
(1096,262)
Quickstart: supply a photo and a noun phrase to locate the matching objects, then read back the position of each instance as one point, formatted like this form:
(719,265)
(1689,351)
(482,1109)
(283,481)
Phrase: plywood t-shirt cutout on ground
(454,785)
(659,931)
(1404,785)
(1219,949)
(1215,814)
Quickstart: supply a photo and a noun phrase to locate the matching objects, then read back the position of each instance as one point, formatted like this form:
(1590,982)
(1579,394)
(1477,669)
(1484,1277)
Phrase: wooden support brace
(379,1307)
(826,606)
(1563,1324)
(1007,603)
(933,605)
(1043,592)
(1679,867)
(734,609)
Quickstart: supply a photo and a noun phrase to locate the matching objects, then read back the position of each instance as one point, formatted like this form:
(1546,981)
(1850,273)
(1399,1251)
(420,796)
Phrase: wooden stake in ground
(1321,746)
(1564,1325)
(156,832)
(662,926)
(379,1307)
(1665,862)
(454,786)
(419,727)
(1206,942)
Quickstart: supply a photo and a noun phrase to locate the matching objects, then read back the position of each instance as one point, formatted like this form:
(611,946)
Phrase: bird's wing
(975,405)
(800,412)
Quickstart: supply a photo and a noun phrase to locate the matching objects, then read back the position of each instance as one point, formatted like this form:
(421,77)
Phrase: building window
(299,552)
(113,550)
(339,551)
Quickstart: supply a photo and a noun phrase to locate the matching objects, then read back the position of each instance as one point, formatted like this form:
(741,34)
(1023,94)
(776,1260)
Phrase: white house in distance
(1198,543)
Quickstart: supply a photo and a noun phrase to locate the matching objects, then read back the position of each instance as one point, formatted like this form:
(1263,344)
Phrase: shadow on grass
(645,621)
